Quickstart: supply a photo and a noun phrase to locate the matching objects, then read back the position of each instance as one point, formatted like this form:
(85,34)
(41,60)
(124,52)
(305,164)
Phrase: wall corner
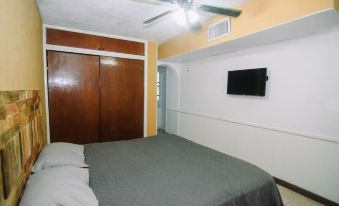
(152,58)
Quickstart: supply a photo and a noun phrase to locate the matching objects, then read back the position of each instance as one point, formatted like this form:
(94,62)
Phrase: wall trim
(145,88)
(304,192)
(286,131)
(156,101)
(44,50)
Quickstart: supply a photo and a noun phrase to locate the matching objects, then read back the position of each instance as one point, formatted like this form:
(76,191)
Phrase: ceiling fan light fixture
(180,17)
(193,17)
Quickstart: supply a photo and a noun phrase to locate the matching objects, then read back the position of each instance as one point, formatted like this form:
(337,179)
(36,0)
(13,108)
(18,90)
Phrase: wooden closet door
(121,98)
(73,97)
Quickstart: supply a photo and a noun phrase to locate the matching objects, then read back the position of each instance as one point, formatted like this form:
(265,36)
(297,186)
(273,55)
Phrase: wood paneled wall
(21,139)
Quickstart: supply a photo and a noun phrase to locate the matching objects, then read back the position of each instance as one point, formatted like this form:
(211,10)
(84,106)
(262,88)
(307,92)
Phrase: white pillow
(60,154)
(67,186)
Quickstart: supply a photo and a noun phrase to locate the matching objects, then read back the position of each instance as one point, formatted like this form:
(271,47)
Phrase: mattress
(168,170)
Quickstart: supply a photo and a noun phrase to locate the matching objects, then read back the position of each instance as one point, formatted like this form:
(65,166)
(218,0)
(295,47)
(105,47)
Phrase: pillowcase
(67,186)
(60,154)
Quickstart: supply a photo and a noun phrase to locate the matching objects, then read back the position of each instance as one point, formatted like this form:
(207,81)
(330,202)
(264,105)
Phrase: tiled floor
(291,198)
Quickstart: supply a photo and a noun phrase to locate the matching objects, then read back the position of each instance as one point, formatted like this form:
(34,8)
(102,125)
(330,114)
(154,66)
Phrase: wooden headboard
(21,140)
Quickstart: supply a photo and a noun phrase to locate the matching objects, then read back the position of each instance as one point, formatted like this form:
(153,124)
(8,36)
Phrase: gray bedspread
(169,170)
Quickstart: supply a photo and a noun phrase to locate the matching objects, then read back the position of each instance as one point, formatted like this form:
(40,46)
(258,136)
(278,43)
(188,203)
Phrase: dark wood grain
(87,41)
(123,46)
(304,192)
(73,97)
(73,39)
(122,98)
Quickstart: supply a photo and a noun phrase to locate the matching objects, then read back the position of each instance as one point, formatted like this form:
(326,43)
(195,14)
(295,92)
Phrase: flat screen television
(247,82)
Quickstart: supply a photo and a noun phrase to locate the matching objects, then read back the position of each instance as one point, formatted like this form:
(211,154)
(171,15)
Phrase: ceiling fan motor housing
(185,4)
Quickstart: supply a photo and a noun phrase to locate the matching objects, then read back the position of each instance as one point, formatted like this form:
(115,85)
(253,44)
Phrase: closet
(94,98)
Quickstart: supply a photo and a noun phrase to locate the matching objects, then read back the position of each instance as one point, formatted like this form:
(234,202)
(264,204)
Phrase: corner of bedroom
(169,103)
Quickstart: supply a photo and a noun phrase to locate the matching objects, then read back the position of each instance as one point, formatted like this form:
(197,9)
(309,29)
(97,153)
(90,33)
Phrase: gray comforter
(169,170)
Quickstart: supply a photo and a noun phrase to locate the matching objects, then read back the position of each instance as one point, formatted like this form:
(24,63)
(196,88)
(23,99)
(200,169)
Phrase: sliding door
(73,85)
(121,98)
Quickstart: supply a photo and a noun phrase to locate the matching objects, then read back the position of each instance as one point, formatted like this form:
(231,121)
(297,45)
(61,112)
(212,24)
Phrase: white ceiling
(118,17)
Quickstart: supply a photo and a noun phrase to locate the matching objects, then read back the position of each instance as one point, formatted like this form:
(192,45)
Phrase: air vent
(219,29)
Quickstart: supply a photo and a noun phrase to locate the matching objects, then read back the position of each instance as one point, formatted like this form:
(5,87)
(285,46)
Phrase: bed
(169,170)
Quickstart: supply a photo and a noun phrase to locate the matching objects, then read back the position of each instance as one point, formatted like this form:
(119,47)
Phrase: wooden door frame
(47,47)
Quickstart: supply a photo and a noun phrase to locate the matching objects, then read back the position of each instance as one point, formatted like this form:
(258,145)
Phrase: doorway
(168,98)
(161,98)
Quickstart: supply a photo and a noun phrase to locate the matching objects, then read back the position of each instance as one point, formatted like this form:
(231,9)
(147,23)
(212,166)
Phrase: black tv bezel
(260,94)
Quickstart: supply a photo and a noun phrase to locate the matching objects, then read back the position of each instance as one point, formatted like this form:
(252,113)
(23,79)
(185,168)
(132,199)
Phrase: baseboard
(304,192)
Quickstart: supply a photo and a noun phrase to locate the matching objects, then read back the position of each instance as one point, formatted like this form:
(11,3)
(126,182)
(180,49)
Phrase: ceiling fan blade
(219,10)
(158,17)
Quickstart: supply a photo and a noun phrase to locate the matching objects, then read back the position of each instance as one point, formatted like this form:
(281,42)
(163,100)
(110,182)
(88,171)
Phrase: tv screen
(247,82)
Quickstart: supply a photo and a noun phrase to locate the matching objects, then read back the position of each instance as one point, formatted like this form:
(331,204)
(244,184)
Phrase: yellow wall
(21,64)
(152,89)
(336,4)
(257,15)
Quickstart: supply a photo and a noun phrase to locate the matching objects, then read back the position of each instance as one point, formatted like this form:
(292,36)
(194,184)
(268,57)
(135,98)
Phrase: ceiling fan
(185,12)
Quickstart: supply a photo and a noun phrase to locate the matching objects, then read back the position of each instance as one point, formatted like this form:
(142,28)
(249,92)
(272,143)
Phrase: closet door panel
(73,97)
(123,46)
(121,98)
(73,39)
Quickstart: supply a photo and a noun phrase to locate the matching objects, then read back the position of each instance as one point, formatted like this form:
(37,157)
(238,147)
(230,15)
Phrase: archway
(168,98)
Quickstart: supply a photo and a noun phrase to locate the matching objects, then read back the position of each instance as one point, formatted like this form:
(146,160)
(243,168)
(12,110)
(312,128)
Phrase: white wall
(279,132)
